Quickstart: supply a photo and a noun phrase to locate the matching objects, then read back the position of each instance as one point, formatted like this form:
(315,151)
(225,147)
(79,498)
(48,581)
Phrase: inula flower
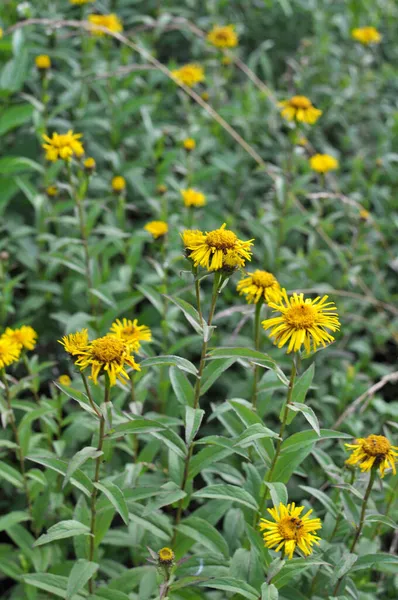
(289,530)
(131,332)
(111,22)
(223,37)
(192,197)
(118,184)
(322,163)
(110,355)
(364,214)
(157,228)
(52,191)
(259,285)
(215,249)
(302,321)
(64,380)
(366,35)
(373,451)
(75,343)
(166,556)
(80,1)
(43,62)
(63,146)
(300,109)
(189,75)
(189,144)
(25,336)
(89,164)
(9,351)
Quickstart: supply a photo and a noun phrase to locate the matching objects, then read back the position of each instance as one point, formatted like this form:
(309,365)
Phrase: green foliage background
(134,122)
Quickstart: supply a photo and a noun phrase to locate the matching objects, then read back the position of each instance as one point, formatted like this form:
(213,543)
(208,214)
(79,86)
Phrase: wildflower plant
(198,320)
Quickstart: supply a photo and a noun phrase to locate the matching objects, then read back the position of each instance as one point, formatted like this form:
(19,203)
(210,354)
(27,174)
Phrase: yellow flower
(1,32)
(322,163)
(205,96)
(166,556)
(64,380)
(43,62)
(9,351)
(189,144)
(189,75)
(25,336)
(63,146)
(211,249)
(364,214)
(289,530)
(192,197)
(223,37)
(302,321)
(157,228)
(118,184)
(111,22)
(373,451)
(300,109)
(259,285)
(89,164)
(130,332)
(52,191)
(80,1)
(75,343)
(110,355)
(366,35)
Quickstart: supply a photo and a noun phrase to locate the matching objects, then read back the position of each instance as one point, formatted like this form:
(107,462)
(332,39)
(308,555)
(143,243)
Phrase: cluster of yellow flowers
(13,342)
(109,354)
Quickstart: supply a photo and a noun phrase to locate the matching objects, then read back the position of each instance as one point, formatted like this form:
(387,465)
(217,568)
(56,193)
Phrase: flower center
(108,349)
(300,102)
(166,554)
(221,239)
(263,279)
(301,316)
(376,445)
(288,527)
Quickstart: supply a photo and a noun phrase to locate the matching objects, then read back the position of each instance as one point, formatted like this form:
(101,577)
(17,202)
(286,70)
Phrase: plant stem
(216,285)
(257,316)
(94,493)
(18,451)
(280,440)
(88,392)
(29,370)
(372,478)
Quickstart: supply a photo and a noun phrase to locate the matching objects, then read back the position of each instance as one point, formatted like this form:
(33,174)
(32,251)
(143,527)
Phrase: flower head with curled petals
(131,332)
(289,530)
(223,37)
(300,109)
(366,35)
(373,451)
(192,197)
(111,22)
(260,285)
(110,355)
(43,62)
(216,249)
(25,336)
(9,351)
(63,146)
(302,321)
(189,75)
(157,228)
(75,344)
(322,163)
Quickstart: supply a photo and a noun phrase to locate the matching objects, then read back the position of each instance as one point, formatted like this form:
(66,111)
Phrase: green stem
(372,478)
(256,373)
(29,370)
(18,452)
(88,392)
(280,440)
(94,493)
(216,286)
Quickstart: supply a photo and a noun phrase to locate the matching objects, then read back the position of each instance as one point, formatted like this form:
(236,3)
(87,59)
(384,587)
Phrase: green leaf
(135,426)
(79,459)
(79,479)
(253,356)
(229,584)
(153,296)
(377,518)
(343,566)
(205,458)
(15,116)
(278,492)
(204,533)
(18,164)
(253,433)
(168,494)
(323,499)
(299,393)
(269,592)
(193,420)
(245,412)
(308,414)
(12,518)
(62,530)
(181,386)
(81,398)
(375,561)
(176,361)
(116,497)
(54,584)
(213,371)
(294,568)
(81,573)
(229,492)
(190,313)
(11,475)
